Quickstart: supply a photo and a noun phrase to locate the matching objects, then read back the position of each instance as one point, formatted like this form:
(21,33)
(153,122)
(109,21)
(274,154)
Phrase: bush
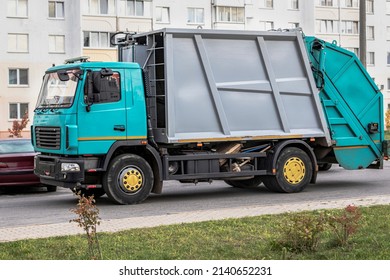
(345,224)
(302,232)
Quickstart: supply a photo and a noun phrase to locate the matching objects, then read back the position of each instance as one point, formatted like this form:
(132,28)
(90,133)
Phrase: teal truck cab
(200,105)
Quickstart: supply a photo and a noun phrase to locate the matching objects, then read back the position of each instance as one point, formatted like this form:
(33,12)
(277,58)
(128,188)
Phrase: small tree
(88,219)
(18,126)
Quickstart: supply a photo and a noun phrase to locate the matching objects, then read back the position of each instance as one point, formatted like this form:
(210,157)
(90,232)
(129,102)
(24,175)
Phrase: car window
(7,147)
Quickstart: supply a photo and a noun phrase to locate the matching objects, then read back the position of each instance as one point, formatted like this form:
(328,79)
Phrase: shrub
(345,224)
(302,232)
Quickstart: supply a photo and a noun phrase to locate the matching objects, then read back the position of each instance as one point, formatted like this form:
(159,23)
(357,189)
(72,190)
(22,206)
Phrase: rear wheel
(128,179)
(248,183)
(293,172)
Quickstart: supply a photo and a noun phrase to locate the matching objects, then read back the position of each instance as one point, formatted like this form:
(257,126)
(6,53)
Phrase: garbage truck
(245,107)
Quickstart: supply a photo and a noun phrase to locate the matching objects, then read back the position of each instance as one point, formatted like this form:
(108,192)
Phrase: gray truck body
(206,86)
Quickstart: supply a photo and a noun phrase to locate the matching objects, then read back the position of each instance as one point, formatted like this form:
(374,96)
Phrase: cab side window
(105,89)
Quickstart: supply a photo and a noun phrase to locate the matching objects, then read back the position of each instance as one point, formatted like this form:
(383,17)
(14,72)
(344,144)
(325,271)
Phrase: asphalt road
(34,206)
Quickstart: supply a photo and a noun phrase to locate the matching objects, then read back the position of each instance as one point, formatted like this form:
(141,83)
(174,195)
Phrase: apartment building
(35,35)
(42,32)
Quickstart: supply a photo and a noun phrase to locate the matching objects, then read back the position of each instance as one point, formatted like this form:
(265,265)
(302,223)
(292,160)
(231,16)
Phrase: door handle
(119,127)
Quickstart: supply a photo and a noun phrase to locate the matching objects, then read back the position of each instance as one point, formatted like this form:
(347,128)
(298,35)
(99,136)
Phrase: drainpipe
(363,32)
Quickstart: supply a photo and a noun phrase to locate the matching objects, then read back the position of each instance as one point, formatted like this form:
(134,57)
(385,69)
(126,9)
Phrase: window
(371,58)
(388,7)
(266,25)
(351,3)
(325,3)
(56,44)
(388,58)
(327,26)
(17,8)
(18,43)
(370,33)
(18,76)
(132,7)
(388,88)
(93,39)
(230,14)
(388,33)
(56,9)
(269,4)
(294,4)
(162,14)
(293,25)
(105,88)
(369,6)
(101,7)
(350,27)
(195,15)
(17,110)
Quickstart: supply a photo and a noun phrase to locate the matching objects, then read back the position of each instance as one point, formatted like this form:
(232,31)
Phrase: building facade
(40,33)
(36,35)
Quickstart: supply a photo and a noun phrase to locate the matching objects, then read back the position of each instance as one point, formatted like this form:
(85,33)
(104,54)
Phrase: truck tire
(293,172)
(128,179)
(248,183)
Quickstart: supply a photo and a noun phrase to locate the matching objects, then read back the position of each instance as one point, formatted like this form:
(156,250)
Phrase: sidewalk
(60,229)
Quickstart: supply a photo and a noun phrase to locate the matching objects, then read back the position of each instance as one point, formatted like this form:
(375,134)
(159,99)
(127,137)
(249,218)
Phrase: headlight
(70,167)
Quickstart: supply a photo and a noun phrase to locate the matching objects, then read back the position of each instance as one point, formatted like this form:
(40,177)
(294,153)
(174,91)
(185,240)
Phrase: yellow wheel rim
(131,179)
(294,170)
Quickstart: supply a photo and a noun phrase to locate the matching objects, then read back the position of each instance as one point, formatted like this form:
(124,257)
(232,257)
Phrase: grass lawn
(248,238)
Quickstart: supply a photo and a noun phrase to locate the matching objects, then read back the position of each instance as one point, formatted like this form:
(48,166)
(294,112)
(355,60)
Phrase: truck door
(102,112)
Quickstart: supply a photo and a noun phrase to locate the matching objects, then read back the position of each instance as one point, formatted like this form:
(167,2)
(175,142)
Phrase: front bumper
(48,168)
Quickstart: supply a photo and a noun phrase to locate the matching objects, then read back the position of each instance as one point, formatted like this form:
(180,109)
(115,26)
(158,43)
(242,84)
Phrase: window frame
(17,49)
(18,110)
(125,4)
(159,13)
(56,2)
(99,40)
(17,15)
(55,38)
(294,5)
(18,84)
(231,14)
(370,58)
(370,7)
(111,10)
(195,10)
(370,32)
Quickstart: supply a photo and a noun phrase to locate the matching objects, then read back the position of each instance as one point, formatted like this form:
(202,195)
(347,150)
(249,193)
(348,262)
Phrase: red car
(17,163)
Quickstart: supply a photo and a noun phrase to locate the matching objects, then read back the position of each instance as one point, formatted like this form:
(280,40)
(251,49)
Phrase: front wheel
(128,179)
(293,172)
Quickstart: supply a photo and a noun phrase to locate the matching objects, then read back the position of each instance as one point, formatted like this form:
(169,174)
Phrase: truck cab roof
(94,64)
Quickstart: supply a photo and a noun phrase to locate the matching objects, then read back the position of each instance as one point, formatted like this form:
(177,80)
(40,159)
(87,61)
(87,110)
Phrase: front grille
(48,137)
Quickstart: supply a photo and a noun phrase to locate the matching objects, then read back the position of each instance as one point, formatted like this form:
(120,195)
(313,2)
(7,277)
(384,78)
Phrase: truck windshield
(56,93)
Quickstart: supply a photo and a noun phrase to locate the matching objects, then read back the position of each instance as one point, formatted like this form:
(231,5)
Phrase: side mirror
(63,75)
